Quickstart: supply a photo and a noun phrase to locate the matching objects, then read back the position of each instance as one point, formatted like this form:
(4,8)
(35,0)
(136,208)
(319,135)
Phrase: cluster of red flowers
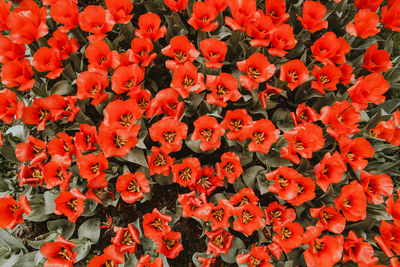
(112,81)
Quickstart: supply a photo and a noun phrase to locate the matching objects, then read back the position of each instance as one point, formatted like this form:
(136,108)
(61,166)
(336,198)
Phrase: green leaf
(90,230)
(82,248)
(38,213)
(9,241)
(230,257)
(249,176)
(62,88)
(63,226)
(136,155)
(17,131)
(49,197)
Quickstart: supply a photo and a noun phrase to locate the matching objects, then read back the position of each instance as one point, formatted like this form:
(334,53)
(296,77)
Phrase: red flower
(249,219)
(260,30)
(132,186)
(264,134)
(145,261)
(61,149)
(278,214)
(325,251)
(206,182)
(142,98)
(305,190)
(55,173)
(126,239)
(12,211)
(304,114)
(155,224)
(329,170)
(181,50)
(85,139)
(91,167)
(96,20)
(122,114)
(304,140)
(117,141)
(257,257)
(196,207)
(289,236)
(347,74)
(66,13)
(391,237)
(364,26)
(329,49)
(120,10)
(388,130)
(32,175)
(176,5)
(159,162)
(10,51)
(63,44)
(186,79)
(294,72)
(238,122)
(223,88)
(220,215)
(27,22)
(17,73)
(244,196)
(355,150)
(149,27)
(313,16)
(257,69)
(110,257)
(285,184)
(342,117)
(276,9)
(376,60)
(326,78)
(208,130)
(48,59)
(127,79)
(203,16)
(219,5)
(59,253)
(243,13)
(282,38)
(187,172)
(140,52)
(5,8)
(100,57)
(206,262)
(169,133)
(166,101)
(70,204)
(267,93)
(356,249)
(390,16)
(376,185)
(372,5)
(33,150)
(220,241)
(329,219)
(353,202)
(169,245)
(214,51)
(229,167)
(92,85)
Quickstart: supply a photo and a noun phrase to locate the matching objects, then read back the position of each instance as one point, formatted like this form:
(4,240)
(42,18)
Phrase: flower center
(67,148)
(142,53)
(72,203)
(37,150)
(255,262)
(126,120)
(317,247)
(350,155)
(285,233)
(43,114)
(169,243)
(119,141)
(229,168)
(275,214)
(181,56)
(95,168)
(300,189)
(60,174)
(102,59)
(372,133)
(298,145)
(109,263)
(324,79)
(185,174)
(94,90)
(207,134)
(204,19)
(293,75)
(218,214)
(129,84)
(157,224)
(37,174)
(188,81)
(204,181)
(127,239)
(283,181)
(15,207)
(169,137)
(259,137)
(246,217)
(221,90)
(133,186)
(244,200)
(160,161)
(253,72)
(142,103)
(64,254)
(219,241)
(236,124)
(326,216)
(346,203)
